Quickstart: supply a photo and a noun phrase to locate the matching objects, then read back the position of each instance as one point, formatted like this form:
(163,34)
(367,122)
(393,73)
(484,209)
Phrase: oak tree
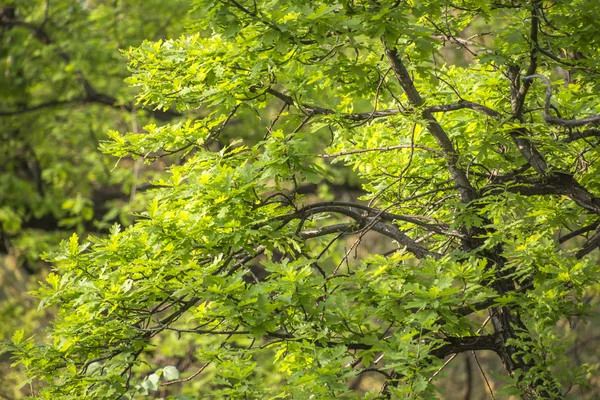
(477,175)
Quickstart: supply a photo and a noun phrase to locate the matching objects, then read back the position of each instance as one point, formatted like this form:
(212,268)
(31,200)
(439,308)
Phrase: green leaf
(17,337)
(170,373)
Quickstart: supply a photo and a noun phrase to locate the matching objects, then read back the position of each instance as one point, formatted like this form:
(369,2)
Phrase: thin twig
(189,378)
(380,149)
(484,376)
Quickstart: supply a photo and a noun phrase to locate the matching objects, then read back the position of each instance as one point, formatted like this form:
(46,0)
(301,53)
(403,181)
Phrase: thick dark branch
(384,215)
(533,61)
(50,222)
(578,232)
(328,230)
(582,135)
(370,222)
(38,32)
(92,95)
(562,61)
(572,123)
(519,93)
(468,343)
(529,151)
(467,192)
(589,246)
(553,184)
(455,346)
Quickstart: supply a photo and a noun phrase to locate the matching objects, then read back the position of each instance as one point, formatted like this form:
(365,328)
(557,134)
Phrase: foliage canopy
(474,177)
(61,89)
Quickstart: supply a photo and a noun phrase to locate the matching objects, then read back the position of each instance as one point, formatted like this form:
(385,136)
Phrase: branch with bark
(365,116)
(467,191)
(568,123)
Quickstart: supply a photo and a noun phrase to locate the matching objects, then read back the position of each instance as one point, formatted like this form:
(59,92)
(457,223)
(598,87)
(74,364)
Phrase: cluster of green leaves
(62,86)
(62,89)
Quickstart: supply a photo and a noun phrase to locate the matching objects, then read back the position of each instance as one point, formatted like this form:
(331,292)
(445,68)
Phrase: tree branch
(557,183)
(315,110)
(467,192)
(589,246)
(579,231)
(48,104)
(529,152)
(465,104)
(390,231)
(569,123)
(468,343)
(533,61)
(379,149)
(92,95)
(384,215)
(328,230)
(582,135)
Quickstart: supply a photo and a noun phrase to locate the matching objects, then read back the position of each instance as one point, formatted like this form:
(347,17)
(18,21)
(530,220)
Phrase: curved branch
(92,97)
(462,104)
(582,135)
(384,215)
(569,123)
(390,231)
(315,110)
(553,184)
(91,94)
(328,230)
